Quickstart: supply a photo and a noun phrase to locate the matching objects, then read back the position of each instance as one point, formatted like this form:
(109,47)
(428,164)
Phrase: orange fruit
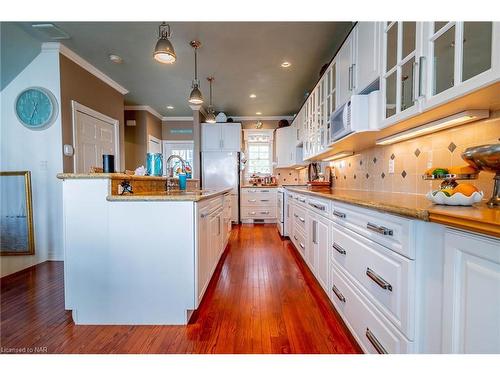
(465,188)
(464,169)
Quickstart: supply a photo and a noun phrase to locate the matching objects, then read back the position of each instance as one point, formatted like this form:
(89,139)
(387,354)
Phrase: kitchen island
(140,258)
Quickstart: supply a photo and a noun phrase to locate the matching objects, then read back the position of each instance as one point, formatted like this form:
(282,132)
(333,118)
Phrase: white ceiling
(244,58)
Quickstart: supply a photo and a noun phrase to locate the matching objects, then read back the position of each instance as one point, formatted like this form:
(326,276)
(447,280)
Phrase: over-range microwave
(360,113)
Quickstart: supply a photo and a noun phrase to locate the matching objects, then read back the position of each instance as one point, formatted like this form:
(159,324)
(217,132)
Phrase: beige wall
(167,126)
(364,171)
(136,137)
(80,85)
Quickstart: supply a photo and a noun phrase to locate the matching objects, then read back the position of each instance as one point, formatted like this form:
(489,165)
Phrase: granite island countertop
(161,196)
(476,218)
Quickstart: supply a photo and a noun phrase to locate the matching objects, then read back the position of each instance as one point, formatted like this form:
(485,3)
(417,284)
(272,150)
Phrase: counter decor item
(283,123)
(486,158)
(108,163)
(221,117)
(182,181)
(154,164)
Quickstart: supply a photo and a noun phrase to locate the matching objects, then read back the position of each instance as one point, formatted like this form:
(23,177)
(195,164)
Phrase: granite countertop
(161,196)
(477,218)
(111,176)
(259,186)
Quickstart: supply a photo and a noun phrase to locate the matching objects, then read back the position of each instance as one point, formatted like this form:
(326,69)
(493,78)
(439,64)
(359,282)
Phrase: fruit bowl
(457,199)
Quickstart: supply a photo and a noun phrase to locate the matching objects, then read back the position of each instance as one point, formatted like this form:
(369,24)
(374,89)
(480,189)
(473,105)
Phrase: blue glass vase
(154,164)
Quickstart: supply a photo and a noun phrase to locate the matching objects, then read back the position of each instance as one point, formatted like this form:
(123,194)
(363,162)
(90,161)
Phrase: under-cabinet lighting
(444,123)
(339,155)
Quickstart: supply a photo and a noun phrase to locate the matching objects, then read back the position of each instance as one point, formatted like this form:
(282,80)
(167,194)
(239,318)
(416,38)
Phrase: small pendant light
(195,97)
(211,112)
(164,50)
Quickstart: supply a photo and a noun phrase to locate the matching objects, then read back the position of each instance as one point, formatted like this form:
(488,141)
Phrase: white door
(344,72)
(154,145)
(367,70)
(471,306)
(93,138)
(231,137)
(211,137)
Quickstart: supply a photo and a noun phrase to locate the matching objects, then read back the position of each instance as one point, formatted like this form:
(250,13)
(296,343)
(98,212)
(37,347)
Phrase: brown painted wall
(266,124)
(85,88)
(136,137)
(168,125)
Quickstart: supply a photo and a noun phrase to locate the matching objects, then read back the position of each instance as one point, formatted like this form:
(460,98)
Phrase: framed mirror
(16,214)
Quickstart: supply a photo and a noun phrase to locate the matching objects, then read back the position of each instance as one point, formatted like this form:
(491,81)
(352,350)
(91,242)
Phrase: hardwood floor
(262,299)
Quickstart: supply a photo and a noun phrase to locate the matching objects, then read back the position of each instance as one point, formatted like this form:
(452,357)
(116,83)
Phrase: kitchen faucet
(169,184)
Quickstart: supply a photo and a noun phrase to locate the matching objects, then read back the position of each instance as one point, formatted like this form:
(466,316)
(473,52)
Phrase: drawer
(395,232)
(299,217)
(257,200)
(300,199)
(373,332)
(258,212)
(387,278)
(319,206)
(299,240)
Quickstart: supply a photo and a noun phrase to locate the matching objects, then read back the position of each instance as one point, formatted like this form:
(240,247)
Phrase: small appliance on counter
(317,178)
(108,163)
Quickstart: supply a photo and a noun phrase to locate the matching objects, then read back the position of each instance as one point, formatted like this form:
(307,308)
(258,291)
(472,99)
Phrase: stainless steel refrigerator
(221,170)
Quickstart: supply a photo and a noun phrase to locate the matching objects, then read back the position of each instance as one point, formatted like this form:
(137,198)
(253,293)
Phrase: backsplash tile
(413,157)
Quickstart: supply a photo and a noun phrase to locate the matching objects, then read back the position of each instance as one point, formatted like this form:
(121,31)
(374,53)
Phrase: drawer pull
(252,213)
(339,214)
(379,229)
(290,196)
(296,239)
(380,281)
(318,206)
(339,295)
(295,215)
(302,200)
(301,245)
(302,219)
(264,212)
(264,191)
(376,344)
(339,248)
(252,200)
(264,200)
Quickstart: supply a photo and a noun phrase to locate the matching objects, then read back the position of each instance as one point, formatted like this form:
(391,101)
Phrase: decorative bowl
(457,199)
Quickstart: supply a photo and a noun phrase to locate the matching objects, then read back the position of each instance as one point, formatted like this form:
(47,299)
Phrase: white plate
(457,199)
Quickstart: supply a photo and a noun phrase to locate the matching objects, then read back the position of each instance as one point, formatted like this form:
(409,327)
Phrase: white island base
(139,261)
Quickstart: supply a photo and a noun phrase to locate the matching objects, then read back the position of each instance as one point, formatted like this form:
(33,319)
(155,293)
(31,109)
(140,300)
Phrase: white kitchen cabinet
(221,137)
(345,65)
(460,57)
(318,235)
(258,205)
(288,154)
(471,306)
(368,54)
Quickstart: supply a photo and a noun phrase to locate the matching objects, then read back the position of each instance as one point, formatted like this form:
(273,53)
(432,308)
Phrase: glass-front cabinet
(461,57)
(401,76)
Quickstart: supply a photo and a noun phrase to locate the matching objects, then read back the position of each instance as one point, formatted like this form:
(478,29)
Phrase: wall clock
(36,108)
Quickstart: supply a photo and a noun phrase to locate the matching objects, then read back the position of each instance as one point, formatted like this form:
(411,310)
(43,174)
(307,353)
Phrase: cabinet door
(320,244)
(368,47)
(231,137)
(471,306)
(345,72)
(210,137)
(281,148)
(203,252)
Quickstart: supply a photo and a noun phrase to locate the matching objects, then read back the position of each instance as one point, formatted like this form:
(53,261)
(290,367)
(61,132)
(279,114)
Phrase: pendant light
(195,97)
(211,113)
(164,50)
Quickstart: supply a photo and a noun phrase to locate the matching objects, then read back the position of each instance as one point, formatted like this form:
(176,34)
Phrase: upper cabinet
(288,154)
(367,66)
(345,61)
(221,137)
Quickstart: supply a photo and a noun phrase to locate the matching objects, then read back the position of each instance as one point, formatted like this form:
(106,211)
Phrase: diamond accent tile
(452,146)
(361,162)
(382,175)
(417,152)
(404,174)
(354,176)
(344,177)
(393,157)
(367,175)
(374,160)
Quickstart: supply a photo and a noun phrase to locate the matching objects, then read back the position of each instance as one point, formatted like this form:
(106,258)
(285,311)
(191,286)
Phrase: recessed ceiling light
(170,107)
(286,64)
(116,59)
(253,96)
(258,113)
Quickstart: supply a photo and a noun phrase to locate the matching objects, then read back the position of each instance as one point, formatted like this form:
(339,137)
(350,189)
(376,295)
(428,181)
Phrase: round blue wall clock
(36,108)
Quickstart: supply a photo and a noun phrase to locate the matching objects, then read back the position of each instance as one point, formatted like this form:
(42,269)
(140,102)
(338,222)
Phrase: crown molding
(262,118)
(146,108)
(177,118)
(77,59)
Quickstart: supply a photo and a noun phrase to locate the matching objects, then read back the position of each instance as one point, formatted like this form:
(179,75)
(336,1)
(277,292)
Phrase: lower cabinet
(471,294)
(318,247)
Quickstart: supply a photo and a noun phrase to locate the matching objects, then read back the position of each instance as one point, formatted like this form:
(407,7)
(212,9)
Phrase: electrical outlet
(391,166)
(44,165)
(429,164)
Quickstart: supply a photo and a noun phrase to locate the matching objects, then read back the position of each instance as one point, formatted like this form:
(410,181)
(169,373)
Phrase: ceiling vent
(51,31)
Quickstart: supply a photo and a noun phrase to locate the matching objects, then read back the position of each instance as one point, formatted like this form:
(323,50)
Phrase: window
(184,149)
(259,151)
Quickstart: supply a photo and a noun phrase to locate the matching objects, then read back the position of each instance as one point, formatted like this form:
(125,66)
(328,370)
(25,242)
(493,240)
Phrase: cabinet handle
(421,61)
(295,215)
(290,196)
(349,78)
(379,229)
(339,295)
(222,142)
(302,219)
(302,200)
(379,280)
(301,245)
(264,200)
(353,86)
(218,219)
(318,206)
(252,200)
(315,228)
(376,344)
(339,248)
(264,212)
(294,236)
(203,215)
(414,94)
(264,191)
(252,213)
(339,214)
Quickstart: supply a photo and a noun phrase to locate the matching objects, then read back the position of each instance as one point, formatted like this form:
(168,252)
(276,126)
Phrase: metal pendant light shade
(211,113)
(164,50)
(195,97)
